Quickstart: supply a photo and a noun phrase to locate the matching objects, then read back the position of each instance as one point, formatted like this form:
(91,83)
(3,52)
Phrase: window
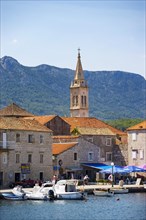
(17,137)
(108,156)
(29,158)
(41,139)
(41,158)
(108,141)
(75,156)
(82,100)
(30,138)
(85,100)
(4,140)
(17,158)
(134,154)
(76,100)
(134,137)
(141,152)
(90,156)
(5,160)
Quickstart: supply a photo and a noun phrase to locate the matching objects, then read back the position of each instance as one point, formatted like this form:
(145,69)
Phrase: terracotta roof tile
(89,122)
(42,119)
(95,131)
(21,124)
(59,148)
(139,126)
(14,110)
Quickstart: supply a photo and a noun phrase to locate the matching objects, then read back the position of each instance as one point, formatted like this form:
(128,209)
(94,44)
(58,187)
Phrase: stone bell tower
(79,92)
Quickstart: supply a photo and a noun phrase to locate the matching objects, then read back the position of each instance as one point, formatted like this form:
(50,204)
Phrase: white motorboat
(43,192)
(16,194)
(102,192)
(66,189)
(119,190)
(36,196)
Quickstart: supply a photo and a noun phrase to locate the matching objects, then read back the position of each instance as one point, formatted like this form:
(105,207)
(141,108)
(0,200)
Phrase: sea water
(130,206)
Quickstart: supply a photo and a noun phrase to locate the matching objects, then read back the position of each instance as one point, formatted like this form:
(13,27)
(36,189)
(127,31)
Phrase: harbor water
(119,207)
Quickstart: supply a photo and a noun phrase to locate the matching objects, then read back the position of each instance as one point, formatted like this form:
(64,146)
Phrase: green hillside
(44,89)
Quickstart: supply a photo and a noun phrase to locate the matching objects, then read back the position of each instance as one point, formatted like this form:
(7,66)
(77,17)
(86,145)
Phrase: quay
(90,187)
(132,187)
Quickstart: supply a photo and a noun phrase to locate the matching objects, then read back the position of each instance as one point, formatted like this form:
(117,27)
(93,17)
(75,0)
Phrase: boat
(119,190)
(101,192)
(16,194)
(11,196)
(44,192)
(66,189)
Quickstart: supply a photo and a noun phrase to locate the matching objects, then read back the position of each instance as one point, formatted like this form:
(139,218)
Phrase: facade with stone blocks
(25,150)
(137,144)
(73,154)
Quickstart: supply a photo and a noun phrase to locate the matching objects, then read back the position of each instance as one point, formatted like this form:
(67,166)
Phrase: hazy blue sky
(111,34)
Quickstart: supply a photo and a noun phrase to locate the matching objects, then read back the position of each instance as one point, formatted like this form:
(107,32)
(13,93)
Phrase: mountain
(45,90)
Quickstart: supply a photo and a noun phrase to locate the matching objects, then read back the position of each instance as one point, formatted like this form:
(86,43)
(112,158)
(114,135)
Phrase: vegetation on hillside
(123,124)
(45,90)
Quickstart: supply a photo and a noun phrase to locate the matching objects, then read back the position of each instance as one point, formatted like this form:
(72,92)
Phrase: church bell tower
(79,92)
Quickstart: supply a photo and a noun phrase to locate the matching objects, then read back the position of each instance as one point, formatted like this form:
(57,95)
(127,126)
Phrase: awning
(98,166)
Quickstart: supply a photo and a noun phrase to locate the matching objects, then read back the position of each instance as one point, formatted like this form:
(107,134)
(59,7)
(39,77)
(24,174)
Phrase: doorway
(17,177)
(1,178)
(41,176)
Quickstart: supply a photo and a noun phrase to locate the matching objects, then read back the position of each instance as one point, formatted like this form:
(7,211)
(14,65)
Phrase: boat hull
(120,191)
(70,196)
(36,196)
(11,196)
(103,193)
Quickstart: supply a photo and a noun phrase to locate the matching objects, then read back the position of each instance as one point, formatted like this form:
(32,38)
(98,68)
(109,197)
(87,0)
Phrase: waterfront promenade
(90,187)
(132,187)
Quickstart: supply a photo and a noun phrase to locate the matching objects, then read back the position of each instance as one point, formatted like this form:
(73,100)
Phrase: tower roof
(79,71)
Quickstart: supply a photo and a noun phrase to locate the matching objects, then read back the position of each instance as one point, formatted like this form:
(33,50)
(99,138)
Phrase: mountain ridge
(44,89)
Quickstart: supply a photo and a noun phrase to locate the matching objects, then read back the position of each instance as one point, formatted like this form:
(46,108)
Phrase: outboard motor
(51,194)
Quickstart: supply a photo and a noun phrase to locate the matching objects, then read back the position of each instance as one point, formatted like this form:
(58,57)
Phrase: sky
(110,34)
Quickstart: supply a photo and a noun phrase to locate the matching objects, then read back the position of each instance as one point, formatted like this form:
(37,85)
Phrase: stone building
(137,144)
(25,147)
(71,152)
(111,141)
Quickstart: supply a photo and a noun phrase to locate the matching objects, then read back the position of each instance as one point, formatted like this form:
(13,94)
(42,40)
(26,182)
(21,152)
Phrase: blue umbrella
(116,169)
(130,169)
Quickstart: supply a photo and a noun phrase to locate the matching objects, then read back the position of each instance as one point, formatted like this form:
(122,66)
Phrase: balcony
(8,145)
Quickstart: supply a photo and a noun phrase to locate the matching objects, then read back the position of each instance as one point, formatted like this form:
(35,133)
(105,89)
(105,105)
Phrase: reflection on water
(126,207)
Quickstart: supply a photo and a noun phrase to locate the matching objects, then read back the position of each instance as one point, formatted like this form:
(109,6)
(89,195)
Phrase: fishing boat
(66,189)
(104,193)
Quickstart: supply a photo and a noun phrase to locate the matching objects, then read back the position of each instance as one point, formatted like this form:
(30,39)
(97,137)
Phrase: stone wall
(82,148)
(8,165)
(137,144)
